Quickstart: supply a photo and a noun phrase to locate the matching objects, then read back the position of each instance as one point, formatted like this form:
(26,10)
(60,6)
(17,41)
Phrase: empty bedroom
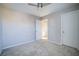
(39,29)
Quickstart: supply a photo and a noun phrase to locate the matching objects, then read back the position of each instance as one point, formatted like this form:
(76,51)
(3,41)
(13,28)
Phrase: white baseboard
(17,44)
(54,42)
(71,46)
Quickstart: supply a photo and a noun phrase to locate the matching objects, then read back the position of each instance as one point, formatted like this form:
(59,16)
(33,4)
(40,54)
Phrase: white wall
(0,36)
(70,25)
(18,28)
(0,32)
(54,28)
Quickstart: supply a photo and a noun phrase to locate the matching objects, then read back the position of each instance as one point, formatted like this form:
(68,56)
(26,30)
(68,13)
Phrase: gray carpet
(40,48)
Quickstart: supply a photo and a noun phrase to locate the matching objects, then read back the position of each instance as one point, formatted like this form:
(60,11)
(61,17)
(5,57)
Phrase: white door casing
(38,29)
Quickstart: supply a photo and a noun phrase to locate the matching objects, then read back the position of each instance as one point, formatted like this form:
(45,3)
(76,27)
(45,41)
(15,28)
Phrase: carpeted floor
(40,48)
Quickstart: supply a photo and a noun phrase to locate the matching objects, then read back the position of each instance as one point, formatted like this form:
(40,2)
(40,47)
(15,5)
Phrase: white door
(70,29)
(38,29)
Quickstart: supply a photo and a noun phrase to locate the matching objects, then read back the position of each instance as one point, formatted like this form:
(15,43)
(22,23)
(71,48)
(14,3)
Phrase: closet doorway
(44,29)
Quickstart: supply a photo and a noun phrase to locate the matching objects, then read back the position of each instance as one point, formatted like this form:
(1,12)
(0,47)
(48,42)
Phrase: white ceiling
(33,10)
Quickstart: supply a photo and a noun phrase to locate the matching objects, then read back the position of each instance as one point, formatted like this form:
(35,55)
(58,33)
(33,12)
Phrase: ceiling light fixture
(38,5)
